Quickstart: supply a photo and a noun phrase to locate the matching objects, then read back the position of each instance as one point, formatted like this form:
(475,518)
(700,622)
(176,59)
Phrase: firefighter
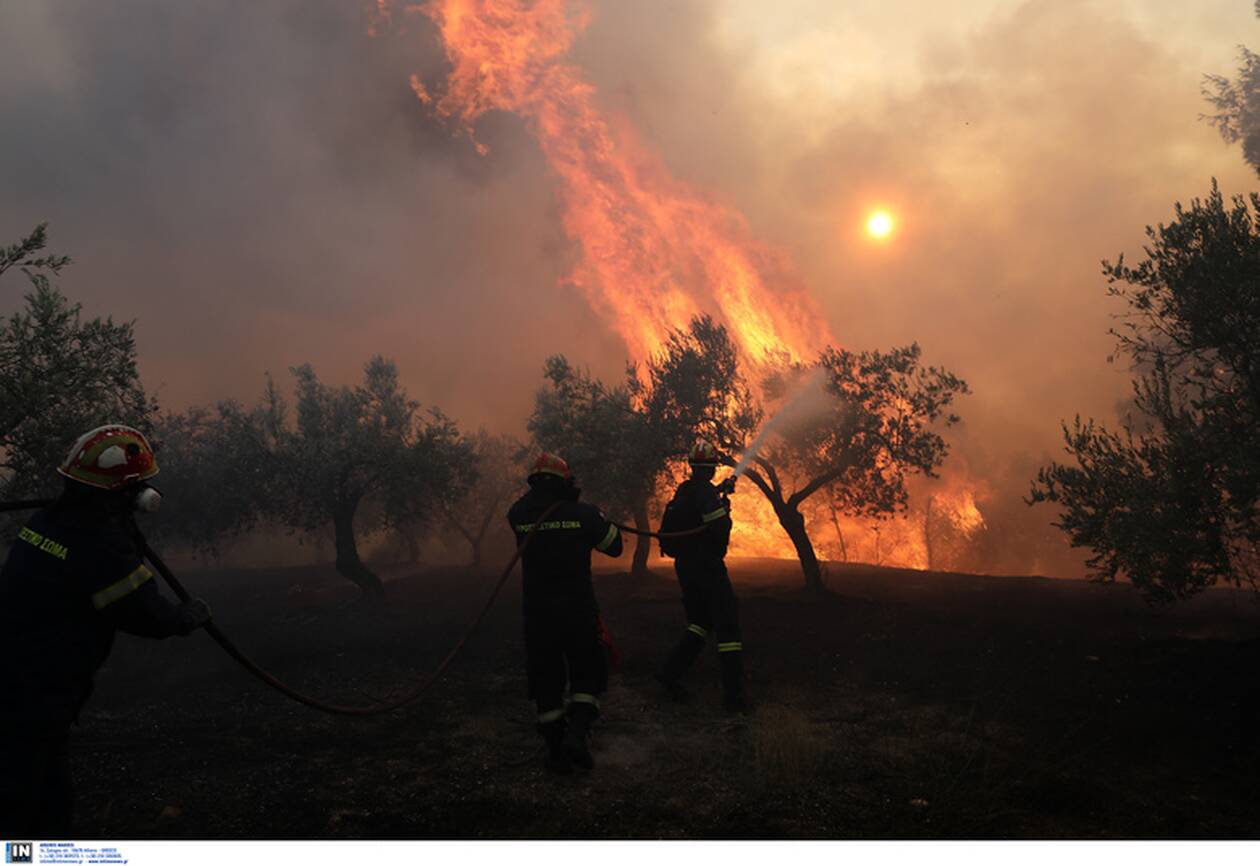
(74,576)
(699,561)
(562,627)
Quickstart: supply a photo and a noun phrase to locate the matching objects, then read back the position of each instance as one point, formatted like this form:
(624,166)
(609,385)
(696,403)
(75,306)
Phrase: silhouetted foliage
(22,254)
(1171,501)
(60,376)
(695,390)
(623,440)
(613,450)
(219,467)
(363,457)
(1237,104)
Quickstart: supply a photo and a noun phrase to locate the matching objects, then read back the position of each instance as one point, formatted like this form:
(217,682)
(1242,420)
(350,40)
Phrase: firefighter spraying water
(695,530)
(699,561)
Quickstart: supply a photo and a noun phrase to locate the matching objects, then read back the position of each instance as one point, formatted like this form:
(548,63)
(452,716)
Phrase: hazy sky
(257,186)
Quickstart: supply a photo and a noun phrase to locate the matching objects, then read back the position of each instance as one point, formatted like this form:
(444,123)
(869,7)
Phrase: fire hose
(658,535)
(727,486)
(288,691)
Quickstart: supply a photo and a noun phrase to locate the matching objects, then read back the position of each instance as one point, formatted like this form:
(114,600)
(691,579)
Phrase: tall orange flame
(653,252)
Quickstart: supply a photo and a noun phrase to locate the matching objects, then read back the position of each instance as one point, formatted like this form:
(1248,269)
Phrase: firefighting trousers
(36,799)
(562,648)
(712,609)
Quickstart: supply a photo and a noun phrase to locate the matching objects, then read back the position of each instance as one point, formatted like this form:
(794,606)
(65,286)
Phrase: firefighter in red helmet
(699,561)
(563,646)
(74,576)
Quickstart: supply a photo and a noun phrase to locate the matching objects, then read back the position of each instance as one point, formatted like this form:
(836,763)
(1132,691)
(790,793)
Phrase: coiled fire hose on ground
(338,709)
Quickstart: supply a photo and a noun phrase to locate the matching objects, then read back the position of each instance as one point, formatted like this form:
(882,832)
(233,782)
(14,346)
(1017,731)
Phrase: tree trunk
(793,523)
(349,565)
(643,543)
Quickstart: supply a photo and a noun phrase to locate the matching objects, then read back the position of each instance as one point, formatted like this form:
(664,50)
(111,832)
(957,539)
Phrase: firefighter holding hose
(74,576)
(562,626)
(701,512)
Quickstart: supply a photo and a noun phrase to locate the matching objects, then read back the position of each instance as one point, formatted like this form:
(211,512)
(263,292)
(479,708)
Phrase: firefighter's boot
(731,656)
(577,738)
(683,656)
(557,759)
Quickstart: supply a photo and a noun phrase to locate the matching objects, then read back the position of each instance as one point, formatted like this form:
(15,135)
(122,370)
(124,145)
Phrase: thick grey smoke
(257,185)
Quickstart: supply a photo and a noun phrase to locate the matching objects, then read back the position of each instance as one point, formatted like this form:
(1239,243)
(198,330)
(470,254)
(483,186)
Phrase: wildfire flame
(652,252)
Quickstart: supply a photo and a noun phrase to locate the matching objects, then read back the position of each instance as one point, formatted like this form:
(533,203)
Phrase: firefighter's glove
(727,487)
(193,614)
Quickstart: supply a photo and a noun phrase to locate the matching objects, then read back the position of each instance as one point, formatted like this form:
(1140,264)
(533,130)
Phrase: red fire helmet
(110,457)
(550,464)
(703,454)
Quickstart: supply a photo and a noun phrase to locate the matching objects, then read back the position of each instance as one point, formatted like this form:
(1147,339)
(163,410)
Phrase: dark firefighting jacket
(698,503)
(557,563)
(74,576)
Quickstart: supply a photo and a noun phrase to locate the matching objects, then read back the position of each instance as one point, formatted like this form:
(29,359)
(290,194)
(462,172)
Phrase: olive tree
(60,374)
(364,457)
(1171,500)
(219,466)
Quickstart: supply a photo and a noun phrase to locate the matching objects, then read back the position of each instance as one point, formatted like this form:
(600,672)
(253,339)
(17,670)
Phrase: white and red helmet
(704,453)
(110,457)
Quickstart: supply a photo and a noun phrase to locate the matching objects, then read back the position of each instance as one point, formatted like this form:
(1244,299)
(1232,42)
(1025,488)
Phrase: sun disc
(880,224)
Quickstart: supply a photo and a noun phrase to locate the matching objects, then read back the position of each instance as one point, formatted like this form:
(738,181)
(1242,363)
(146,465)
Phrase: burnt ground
(904,705)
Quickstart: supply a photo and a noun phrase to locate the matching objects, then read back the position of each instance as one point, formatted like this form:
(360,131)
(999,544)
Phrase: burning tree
(950,524)
(620,440)
(366,445)
(858,425)
(59,375)
(1173,500)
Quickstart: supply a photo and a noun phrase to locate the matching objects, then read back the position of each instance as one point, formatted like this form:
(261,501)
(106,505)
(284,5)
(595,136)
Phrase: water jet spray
(805,401)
